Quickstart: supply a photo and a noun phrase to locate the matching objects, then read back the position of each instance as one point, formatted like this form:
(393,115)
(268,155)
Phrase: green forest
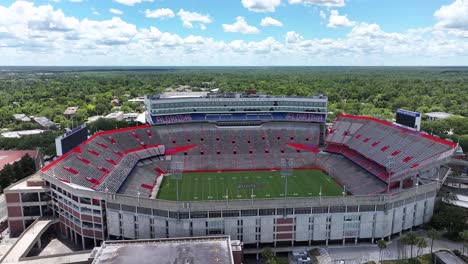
(373,91)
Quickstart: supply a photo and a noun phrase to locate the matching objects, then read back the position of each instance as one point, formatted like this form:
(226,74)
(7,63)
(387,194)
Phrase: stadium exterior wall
(275,222)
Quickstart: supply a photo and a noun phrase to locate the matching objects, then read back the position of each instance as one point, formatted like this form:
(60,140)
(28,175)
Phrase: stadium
(262,169)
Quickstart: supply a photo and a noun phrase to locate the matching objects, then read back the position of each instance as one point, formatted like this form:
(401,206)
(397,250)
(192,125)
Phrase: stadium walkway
(29,238)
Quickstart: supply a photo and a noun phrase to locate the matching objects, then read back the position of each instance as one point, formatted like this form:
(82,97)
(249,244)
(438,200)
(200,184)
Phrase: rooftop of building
(44,121)
(448,258)
(114,115)
(206,250)
(18,134)
(438,115)
(31,183)
(22,117)
(94,118)
(71,110)
(11,156)
(219,95)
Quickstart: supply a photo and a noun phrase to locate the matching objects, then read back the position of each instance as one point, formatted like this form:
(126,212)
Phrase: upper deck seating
(391,148)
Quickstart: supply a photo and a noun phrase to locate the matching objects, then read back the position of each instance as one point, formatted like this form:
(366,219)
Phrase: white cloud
(116,11)
(161,13)
(74,1)
(240,26)
(189,17)
(453,16)
(261,5)
(95,12)
(335,20)
(293,37)
(319,2)
(131,2)
(323,15)
(269,21)
(41,34)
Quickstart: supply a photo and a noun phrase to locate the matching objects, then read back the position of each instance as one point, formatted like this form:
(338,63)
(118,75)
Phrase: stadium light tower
(286,171)
(176,174)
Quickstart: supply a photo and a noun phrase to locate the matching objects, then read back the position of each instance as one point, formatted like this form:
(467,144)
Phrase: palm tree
(411,240)
(464,236)
(433,235)
(382,244)
(420,243)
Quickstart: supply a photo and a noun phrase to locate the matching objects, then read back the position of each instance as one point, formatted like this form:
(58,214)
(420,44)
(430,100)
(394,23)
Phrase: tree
(410,239)
(464,236)
(268,256)
(382,244)
(421,243)
(449,217)
(16,171)
(433,235)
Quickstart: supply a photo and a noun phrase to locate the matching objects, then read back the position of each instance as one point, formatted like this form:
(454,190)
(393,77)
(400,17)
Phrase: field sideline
(240,185)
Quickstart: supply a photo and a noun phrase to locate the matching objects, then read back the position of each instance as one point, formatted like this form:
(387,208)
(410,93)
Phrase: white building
(433,116)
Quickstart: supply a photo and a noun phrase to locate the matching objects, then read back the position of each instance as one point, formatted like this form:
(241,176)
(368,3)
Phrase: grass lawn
(239,185)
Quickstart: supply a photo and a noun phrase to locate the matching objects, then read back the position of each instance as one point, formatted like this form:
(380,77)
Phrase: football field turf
(241,184)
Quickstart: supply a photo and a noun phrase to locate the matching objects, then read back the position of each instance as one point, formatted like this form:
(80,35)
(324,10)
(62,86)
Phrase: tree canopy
(375,91)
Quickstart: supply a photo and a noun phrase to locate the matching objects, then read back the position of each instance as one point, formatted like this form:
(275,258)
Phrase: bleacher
(130,160)
(354,178)
(382,148)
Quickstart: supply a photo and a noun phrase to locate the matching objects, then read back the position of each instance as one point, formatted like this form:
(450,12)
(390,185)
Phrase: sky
(234,32)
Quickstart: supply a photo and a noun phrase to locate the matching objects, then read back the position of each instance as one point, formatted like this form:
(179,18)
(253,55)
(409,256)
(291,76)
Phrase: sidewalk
(370,252)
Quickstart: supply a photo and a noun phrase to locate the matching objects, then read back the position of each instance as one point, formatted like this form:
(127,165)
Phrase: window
(250,212)
(267,211)
(195,215)
(230,213)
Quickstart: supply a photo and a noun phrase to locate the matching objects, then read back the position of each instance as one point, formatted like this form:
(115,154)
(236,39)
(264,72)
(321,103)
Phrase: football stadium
(262,169)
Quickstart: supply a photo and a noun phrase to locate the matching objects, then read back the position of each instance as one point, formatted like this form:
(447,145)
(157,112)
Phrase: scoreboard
(409,119)
(71,139)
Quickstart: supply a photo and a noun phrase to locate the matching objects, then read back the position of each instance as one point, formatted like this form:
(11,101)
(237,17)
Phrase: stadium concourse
(107,187)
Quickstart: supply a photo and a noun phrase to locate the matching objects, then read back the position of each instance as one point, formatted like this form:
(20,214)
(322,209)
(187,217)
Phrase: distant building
(70,112)
(130,117)
(22,118)
(116,115)
(18,134)
(44,122)
(140,100)
(433,116)
(183,95)
(115,102)
(12,156)
(92,119)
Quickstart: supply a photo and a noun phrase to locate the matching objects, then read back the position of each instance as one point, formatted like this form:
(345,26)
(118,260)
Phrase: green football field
(240,185)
